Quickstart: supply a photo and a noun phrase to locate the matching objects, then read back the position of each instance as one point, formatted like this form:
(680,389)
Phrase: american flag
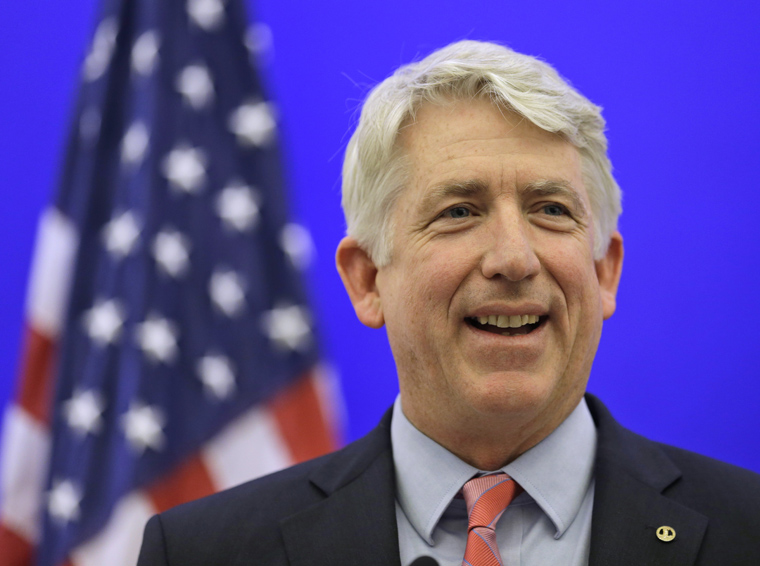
(169,348)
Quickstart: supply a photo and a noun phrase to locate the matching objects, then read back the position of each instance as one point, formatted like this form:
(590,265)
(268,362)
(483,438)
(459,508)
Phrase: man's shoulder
(710,487)
(714,483)
(245,520)
(717,469)
(240,521)
(658,462)
(277,492)
(635,451)
(641,483)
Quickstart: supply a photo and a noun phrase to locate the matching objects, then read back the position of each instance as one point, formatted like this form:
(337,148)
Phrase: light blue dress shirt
(549,523)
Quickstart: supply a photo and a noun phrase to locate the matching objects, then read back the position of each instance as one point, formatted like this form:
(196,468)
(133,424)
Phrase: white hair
(375,169)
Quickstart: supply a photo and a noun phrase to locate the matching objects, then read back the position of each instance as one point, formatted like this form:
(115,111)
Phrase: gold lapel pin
(666,534)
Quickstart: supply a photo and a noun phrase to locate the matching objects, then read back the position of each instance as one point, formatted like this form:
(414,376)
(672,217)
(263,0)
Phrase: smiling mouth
(507,325)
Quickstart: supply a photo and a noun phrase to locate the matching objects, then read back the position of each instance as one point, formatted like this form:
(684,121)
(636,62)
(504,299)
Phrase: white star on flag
(217,374)
(120,234)
(89,124)
(143,427)
(145,53)
(227,290)
(103,322)
(63,502)
(83,412)
(258,39)
(157,338)
(99,56)
(253,123)
(134,144)
(207,14)
(238,206)
(288,327)
(296,242)
(185,168)
(195,85)
(171,251)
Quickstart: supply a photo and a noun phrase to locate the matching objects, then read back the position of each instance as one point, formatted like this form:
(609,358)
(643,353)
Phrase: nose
(509,251)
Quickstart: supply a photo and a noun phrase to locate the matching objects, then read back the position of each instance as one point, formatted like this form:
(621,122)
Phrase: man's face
(492,300)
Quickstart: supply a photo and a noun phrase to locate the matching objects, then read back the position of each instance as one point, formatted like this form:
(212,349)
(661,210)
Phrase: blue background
(680,84)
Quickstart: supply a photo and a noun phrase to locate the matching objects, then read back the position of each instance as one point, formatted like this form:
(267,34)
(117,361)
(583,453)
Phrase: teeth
(504,321)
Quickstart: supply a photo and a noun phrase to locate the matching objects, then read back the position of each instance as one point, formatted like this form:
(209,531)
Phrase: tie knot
(487,497)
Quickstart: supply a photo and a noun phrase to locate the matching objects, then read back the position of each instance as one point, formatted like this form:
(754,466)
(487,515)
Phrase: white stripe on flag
(118,544)
(250,447)
(52,272)
(23,466)
(327,385)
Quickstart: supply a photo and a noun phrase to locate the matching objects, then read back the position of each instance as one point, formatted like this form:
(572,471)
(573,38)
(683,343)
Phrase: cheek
(573,268)
(438,280)
(427,280)
(579,291)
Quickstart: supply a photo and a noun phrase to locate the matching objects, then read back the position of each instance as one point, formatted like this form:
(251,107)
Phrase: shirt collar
(556,472)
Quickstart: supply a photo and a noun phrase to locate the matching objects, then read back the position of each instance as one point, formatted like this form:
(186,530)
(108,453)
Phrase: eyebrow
(453,189)
(548,188)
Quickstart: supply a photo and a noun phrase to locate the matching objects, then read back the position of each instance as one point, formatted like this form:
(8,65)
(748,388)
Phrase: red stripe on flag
(301,420)
(14,550)
(189,481)
(36,391)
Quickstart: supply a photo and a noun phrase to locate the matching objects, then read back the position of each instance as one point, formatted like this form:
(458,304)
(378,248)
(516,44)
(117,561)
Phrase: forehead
(475,141)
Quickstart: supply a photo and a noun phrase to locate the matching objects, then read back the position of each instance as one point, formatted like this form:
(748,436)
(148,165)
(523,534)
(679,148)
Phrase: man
(482,219)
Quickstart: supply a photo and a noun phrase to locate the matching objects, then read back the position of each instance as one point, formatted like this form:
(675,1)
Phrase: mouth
(514,325)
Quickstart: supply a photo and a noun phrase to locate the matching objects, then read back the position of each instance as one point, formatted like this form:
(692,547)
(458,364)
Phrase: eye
(554,209)
(457,212)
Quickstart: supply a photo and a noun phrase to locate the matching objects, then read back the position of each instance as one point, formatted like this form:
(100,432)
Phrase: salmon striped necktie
(487,498)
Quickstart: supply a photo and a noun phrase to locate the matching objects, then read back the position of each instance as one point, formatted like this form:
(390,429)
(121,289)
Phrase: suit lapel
(631,476)
(356,522)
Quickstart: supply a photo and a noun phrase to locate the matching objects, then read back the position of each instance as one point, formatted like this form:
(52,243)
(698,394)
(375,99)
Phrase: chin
(507,399)
(518,396)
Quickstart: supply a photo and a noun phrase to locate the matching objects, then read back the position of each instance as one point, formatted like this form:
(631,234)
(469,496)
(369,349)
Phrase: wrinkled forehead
(463,141)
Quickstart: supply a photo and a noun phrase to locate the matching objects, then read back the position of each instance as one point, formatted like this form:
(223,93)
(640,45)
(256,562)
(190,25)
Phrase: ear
(608,270)
(359,273)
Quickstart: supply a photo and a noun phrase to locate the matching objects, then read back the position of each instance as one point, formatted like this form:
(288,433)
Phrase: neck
(487,442)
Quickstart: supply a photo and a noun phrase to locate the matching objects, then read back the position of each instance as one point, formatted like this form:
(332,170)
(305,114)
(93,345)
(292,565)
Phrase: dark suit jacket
(339,510)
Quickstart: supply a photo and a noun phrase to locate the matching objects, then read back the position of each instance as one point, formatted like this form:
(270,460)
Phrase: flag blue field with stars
(169,341)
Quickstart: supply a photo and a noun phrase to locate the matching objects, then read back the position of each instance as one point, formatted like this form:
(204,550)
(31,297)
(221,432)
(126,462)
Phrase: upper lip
(508,310)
